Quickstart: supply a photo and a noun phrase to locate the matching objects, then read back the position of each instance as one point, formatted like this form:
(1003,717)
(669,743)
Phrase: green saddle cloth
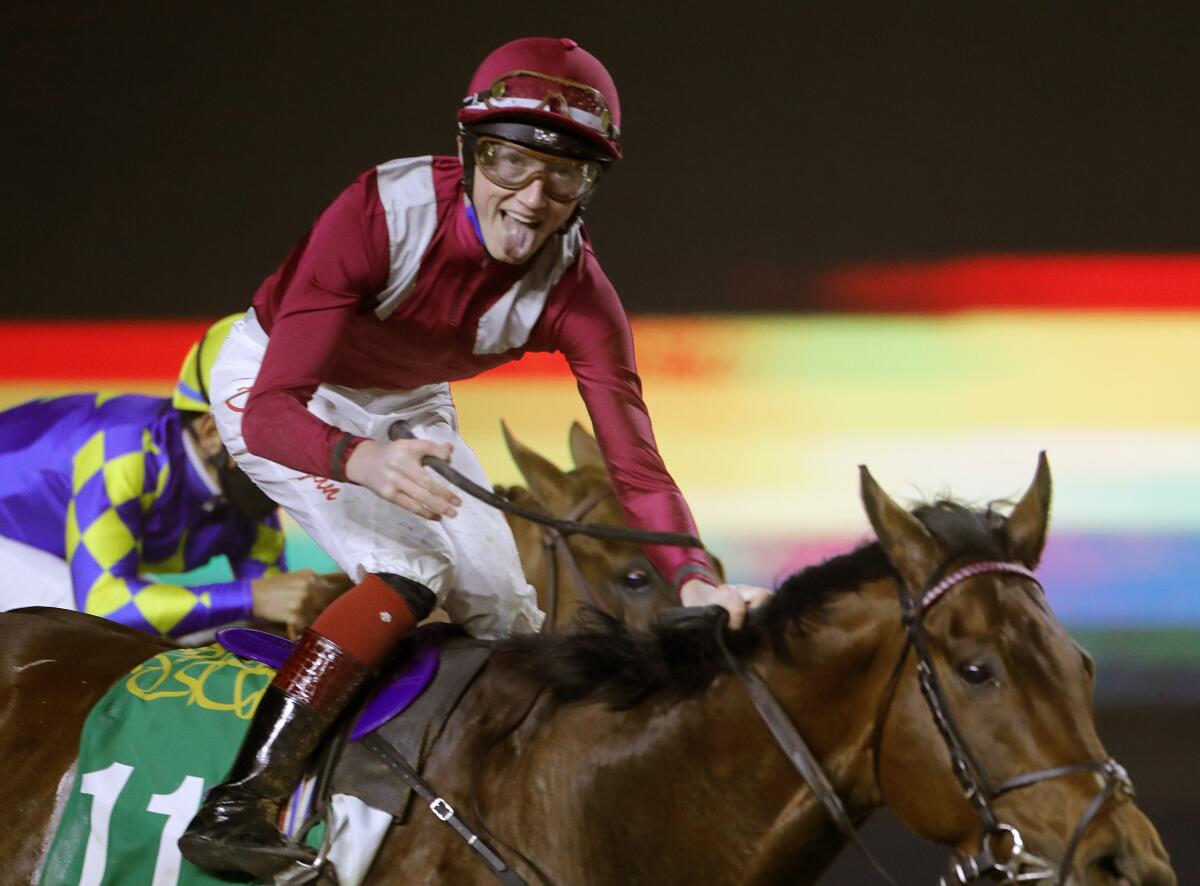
(150,749)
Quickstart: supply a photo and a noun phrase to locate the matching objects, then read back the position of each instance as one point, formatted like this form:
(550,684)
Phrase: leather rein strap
(782,728)
(399,430)
(443,810)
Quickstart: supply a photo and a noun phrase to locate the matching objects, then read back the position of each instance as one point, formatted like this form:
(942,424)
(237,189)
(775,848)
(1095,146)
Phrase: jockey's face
(238,489)
(515,224)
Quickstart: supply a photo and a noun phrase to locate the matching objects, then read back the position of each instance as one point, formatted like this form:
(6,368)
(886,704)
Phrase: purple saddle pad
(388,699)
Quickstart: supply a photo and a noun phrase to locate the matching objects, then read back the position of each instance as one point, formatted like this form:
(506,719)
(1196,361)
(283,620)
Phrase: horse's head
(1014,696)
(615,577)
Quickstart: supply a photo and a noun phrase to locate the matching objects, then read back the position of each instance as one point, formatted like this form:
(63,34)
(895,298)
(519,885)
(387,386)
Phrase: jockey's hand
(393,472)
(734,599)
(296,598)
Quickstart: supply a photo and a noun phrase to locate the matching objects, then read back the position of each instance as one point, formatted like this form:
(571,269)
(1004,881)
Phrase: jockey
(98,493)
(425,271)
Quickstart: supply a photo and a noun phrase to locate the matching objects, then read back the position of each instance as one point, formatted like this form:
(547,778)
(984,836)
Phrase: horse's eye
(976,673)
(635,580)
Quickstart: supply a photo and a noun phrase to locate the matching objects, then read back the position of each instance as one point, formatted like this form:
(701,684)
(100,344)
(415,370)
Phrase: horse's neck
(833,687)
(706,773)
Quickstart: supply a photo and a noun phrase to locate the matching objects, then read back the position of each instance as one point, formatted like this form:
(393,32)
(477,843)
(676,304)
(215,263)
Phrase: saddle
(424,679)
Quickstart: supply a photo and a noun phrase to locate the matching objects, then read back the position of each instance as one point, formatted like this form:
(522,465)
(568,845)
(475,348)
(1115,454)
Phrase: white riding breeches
(468,561)
(31,577)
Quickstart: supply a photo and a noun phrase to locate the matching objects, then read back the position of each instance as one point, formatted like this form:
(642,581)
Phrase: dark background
(162,157)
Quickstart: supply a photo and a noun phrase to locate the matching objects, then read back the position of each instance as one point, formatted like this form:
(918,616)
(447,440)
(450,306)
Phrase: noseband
(1019,865)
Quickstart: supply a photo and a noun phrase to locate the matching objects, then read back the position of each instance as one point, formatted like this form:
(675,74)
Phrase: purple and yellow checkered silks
(106,484)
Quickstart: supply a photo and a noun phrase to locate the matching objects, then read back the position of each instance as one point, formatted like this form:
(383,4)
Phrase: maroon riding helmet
(548,94)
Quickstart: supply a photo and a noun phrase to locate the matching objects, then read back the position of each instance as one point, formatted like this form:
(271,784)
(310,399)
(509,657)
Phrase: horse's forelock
(965,531)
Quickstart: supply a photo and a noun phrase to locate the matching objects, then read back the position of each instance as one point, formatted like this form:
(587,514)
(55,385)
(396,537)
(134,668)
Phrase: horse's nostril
(1109,867)
(1122,869)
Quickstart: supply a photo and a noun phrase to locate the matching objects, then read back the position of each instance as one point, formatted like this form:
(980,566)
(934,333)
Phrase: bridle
(399,430)
(1020,865)
(556,548)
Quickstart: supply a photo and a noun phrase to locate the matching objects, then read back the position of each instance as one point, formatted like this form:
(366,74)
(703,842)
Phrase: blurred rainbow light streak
(941,377)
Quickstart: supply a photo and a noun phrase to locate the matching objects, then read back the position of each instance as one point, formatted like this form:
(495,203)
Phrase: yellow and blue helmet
(191,391)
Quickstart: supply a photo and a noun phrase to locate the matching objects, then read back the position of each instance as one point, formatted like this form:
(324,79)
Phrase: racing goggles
(531,91)
(512,167)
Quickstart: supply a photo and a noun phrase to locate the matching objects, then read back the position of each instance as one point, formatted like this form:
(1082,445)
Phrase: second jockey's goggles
(531,91)
(512,166)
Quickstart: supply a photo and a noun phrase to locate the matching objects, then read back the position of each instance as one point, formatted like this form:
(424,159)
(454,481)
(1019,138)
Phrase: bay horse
(573,571)
(617,756)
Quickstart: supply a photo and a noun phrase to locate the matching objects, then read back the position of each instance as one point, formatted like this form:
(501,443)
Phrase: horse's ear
(585,451)
(905,540)
(544,479)
(1029,519)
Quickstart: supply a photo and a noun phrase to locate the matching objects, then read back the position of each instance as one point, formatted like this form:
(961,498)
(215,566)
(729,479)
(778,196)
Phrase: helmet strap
(468,159)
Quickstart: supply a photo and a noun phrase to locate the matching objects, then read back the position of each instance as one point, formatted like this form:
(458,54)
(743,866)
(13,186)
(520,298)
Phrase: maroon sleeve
(305,308)
(593,333)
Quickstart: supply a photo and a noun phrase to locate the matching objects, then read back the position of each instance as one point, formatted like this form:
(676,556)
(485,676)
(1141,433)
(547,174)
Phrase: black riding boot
(236,829)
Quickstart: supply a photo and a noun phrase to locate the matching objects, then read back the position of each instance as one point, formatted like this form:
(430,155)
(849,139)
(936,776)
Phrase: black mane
(605,660)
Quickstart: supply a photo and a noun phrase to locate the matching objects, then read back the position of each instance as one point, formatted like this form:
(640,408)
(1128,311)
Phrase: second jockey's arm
(295,598)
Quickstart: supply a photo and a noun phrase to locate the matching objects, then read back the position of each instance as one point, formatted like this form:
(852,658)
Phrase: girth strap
(443,810)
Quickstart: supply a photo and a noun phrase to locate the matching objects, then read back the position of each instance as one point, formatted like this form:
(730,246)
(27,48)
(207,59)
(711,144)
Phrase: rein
(399,430)
(791,742)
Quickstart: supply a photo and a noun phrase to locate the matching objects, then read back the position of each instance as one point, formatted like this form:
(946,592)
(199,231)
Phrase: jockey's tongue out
(533,145)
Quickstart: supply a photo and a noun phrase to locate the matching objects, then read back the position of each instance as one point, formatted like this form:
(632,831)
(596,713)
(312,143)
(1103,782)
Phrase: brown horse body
(616,756)
(54,667)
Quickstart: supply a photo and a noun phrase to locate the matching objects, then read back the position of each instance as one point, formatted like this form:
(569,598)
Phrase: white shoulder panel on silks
(410,205)
(508,323)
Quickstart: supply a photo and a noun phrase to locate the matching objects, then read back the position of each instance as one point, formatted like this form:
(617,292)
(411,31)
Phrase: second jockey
(100,494)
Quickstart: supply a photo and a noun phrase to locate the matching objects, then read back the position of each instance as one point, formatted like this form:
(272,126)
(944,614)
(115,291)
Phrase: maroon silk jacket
(392,289)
